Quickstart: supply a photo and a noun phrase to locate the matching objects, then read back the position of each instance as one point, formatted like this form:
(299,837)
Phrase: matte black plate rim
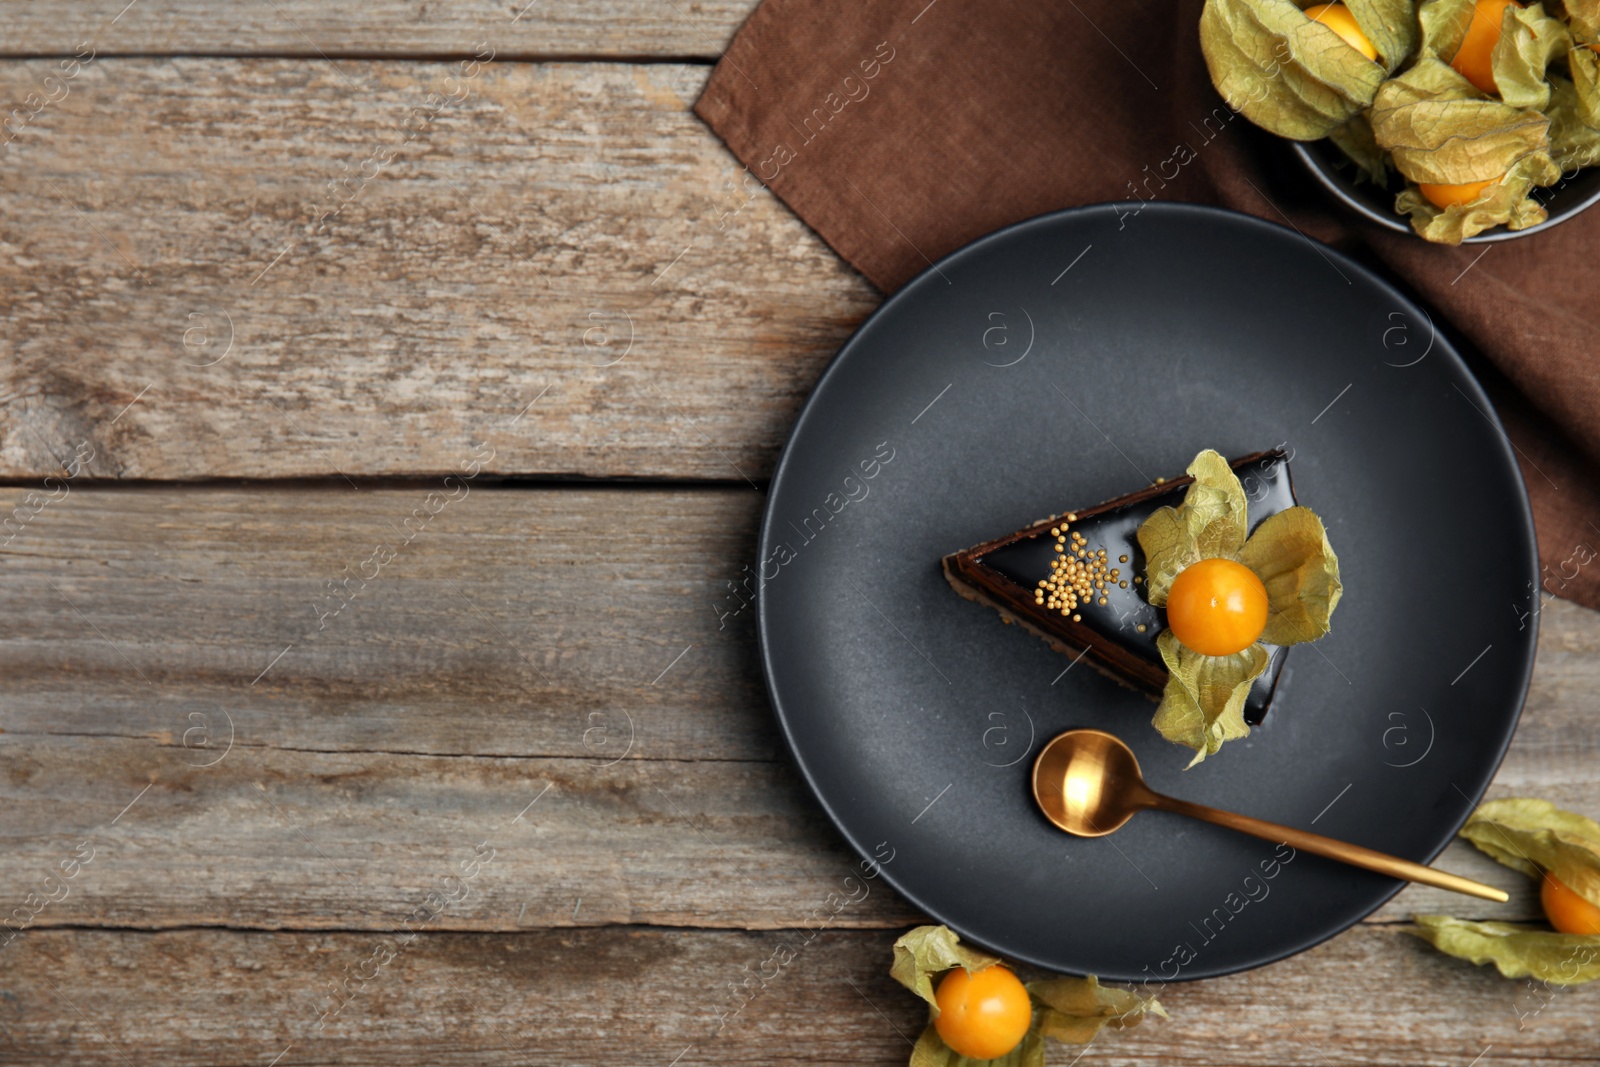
(1158,209)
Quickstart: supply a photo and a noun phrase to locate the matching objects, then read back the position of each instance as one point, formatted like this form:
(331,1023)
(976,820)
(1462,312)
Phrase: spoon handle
(1333,849)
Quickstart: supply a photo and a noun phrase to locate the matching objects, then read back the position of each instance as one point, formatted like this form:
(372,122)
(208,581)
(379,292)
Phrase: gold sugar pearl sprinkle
(1078,575)
(1122,559)
(1077,618)
(1072,516)
(1138,579)
(1141,627)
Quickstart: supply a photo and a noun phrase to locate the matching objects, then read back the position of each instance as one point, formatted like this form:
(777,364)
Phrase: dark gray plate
(1067,360)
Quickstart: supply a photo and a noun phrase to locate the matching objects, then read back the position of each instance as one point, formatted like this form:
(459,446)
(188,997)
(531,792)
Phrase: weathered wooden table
(387,393)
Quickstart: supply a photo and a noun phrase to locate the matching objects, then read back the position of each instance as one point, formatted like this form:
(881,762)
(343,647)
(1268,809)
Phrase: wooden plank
(275,268)
(615,28)
(513,623)
(522,638)
(272,839)
(646,996)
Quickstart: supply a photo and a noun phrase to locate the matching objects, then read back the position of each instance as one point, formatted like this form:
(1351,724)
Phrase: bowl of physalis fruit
(1458,120)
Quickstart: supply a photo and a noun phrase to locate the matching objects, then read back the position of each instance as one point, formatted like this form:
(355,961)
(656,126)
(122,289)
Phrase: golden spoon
(1088,783)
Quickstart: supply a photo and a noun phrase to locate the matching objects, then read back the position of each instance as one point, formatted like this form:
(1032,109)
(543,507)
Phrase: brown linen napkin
(902,129)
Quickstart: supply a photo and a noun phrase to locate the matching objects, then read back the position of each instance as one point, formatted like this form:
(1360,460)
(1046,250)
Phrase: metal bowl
(1338,176)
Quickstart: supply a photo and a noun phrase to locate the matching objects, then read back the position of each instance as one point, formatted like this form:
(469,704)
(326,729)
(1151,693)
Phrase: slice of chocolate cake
(1093,601)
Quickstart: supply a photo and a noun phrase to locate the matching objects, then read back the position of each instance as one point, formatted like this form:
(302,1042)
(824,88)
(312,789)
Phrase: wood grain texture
(525,28)
(514,622)
(275,839)
(278,268)
(523,638)
(1373,997)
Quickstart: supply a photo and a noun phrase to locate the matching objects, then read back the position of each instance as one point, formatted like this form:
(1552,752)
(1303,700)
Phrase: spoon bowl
(1088,783)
